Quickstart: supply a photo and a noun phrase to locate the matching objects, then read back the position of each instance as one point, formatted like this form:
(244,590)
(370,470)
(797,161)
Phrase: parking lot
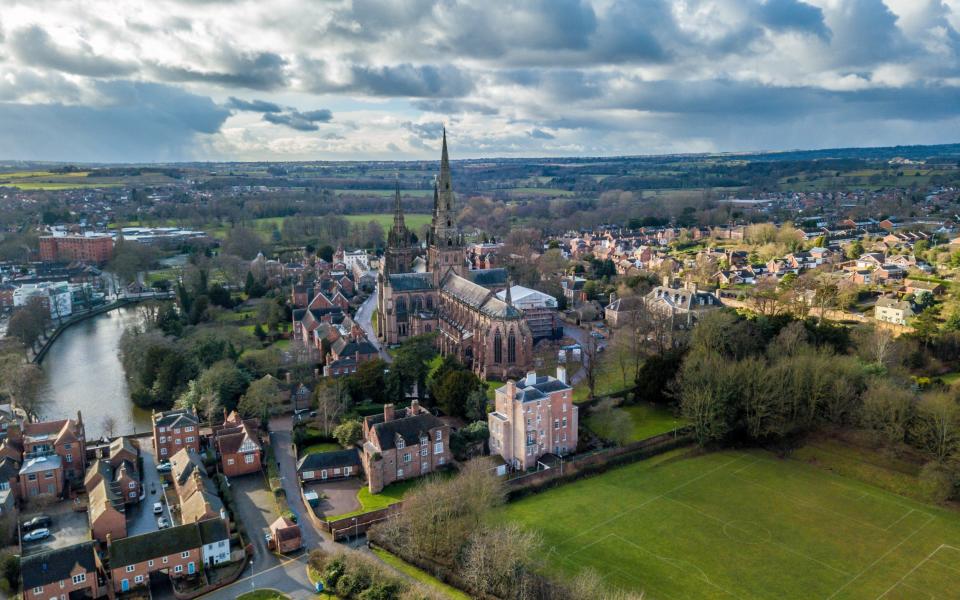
(68,528)
(337,497)
(140,517)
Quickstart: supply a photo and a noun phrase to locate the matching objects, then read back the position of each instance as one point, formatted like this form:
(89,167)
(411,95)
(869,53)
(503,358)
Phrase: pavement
(364,318)
(140,517)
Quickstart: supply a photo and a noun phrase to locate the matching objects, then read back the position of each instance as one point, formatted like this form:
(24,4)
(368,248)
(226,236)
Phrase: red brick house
(41,476)
(174,430)
(65,438)
(68,572)
(177,551)
(238,445)
(286,535)
(324,466)
(403,444)
(106,511)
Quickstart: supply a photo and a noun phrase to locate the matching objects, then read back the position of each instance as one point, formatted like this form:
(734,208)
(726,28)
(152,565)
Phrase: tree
(331,400)
(243,242)
(452,391)
(109,426)
(326,252)
(348,433)
(224,384)
(936,427)
(261,397)
(22,381)
(877,345)
(368,383)
(129,259)
(29,322)
(926,324)
(854,250)
(611,423)
(476,406)
(887,410)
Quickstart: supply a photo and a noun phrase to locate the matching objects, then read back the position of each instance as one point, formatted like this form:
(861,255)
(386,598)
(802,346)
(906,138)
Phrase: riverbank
(79,317)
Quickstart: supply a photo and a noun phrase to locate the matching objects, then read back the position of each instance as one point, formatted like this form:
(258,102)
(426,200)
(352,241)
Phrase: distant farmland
(414,221)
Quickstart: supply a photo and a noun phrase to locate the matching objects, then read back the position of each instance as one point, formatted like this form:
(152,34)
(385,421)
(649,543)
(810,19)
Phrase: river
(83,372)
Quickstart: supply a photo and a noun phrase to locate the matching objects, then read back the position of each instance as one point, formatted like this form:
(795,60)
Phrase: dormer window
(400,443)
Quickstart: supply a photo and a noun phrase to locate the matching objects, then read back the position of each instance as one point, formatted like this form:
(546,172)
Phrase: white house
(216,541)
(56,294)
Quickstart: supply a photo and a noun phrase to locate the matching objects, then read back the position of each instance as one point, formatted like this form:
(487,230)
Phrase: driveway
(256,509)
(364,318)
(341,496)
(140,517)
(282,440)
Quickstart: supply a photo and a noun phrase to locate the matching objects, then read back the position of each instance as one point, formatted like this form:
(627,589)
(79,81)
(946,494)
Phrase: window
(424,450)
(163,451)
(556,423)
(248,459)
(424,466)
(130,568)
(401,444)
(438,448)
(399,472)
(347,470)
(424,440)
(179,441)
(185,554)
(323,474)
(164,560)
(132,485)
(190,439)
(150,563)
(511,348)
(229,461)
(133,494)
(48,474)
(32,477)
(163,439)
(161,429)
(188,429)
(79,578)
(336,471)
(178,569)
(177,431)
(406,457)
(497,348)
(564,421)
(439,436)
(222,543)
(441,460)
(38,589)
(138,579)
(67,446)
(564,406)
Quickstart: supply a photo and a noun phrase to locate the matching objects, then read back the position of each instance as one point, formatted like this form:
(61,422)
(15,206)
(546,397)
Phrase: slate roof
(344,347)
(411,282)
(41,463)
(325,460)
(184,463)
(103,497)
(887,302)
(544,386)
(213,530)
(143,547)
(175,418)
(9,468)
(411,429)
(57,564)
(488,277)
(123,444)
(465,290)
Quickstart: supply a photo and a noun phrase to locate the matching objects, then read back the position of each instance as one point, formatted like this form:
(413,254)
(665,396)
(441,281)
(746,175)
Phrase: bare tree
(109,426)
(877,344)
(589,357)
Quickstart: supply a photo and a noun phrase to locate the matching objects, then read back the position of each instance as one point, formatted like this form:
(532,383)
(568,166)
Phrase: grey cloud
(33,46)
(793,15)
(448,106)
(402,80)
(429,131)
(540,134)
(306,121)
(138,122)
(253,70)
(23,83)
(253,105)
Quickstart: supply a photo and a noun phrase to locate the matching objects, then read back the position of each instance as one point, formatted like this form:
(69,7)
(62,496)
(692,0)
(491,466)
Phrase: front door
(125,585)
(190,568)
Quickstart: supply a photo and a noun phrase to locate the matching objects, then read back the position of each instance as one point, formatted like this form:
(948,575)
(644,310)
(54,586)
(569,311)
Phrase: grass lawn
(419,575)
(951,378)
(321,447)
(264,594)
(413,220)
(650,420)
(609,379)
(739,524)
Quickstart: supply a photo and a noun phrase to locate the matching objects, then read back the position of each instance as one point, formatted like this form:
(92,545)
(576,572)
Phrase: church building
(486,333)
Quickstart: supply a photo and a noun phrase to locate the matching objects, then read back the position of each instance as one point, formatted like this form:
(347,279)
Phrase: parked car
(37,522)
(268,537)
(158,508)
(164,467)
(163,523)
(37,534)
(597,335)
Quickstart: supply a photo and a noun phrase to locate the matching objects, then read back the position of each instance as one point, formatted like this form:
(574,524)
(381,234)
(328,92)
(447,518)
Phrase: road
(364,318)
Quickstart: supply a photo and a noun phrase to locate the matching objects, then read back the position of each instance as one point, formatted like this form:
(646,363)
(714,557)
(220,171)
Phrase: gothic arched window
(417,304)
(429,302)
(497,348)
(511,348)
(401,309)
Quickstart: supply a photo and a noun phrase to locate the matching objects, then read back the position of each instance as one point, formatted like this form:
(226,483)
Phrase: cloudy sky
(172,80)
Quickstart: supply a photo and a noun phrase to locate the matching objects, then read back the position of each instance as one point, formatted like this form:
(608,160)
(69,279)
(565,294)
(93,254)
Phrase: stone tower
(446,248)
(401,248)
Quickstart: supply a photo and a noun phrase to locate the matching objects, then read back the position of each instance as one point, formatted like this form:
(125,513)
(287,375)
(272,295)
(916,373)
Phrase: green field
(382,192)
(391,494)
(420,575)
(414,221)
(649,420)
(745,525)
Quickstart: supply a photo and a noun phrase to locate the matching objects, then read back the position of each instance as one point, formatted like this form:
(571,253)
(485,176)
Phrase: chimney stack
(388,412)
(562,374)
(287,376)
(414,407)
(511,390)
(666,281)
(531,378)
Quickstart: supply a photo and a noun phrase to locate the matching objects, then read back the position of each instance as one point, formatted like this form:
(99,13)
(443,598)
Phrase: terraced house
(69,572)
(177,551)
(174,430)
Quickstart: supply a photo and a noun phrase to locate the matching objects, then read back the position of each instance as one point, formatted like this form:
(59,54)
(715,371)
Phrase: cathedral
(484,332)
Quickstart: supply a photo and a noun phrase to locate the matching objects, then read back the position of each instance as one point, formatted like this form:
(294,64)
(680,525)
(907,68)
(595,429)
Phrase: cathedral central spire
(398,222)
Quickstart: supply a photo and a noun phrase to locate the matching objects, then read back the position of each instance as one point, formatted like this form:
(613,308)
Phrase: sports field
(746,525)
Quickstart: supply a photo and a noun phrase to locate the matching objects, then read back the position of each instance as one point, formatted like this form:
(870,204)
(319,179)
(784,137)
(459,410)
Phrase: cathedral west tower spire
(446,243)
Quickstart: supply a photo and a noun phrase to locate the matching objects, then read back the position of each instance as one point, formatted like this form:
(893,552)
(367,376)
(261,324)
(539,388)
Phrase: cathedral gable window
(497,348)
(511,348)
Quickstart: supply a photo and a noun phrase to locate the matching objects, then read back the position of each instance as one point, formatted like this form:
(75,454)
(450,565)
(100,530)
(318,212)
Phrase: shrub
(936,481)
